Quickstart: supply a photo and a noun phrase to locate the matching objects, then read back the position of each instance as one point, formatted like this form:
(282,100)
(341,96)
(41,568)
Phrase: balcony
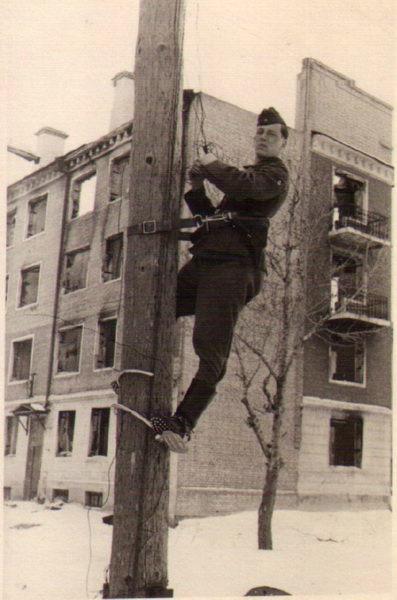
(358,310)
(354,227)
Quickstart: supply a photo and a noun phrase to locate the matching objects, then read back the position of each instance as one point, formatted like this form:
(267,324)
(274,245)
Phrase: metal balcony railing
(361,303)
(365,221)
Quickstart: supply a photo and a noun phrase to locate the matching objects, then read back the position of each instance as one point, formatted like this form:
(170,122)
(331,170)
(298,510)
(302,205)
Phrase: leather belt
(209,223)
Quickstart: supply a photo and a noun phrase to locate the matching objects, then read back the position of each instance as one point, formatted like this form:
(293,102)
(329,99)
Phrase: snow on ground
(63,554)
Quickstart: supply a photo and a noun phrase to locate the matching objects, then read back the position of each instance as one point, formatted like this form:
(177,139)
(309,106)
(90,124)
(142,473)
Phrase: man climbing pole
(225,271)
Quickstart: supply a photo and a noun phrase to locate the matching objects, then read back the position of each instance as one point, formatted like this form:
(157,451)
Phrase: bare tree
(275,326)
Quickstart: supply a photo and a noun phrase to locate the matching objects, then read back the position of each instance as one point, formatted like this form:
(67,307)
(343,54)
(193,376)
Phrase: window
(99,432)
(60,494)
(22,355)
(29,285)
(6,493)
(349,195)
(11,220)
(69,350)
(348,362)
(36,218)
(107,341)
(83,195)
(119,178)
(66,420)
(7,283)
(346,441)
(113,259)
(76,268)
(348,283)
(93,499)
(11,433)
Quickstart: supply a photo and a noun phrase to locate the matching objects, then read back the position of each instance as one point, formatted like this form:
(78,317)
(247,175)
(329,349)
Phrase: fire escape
(355,234)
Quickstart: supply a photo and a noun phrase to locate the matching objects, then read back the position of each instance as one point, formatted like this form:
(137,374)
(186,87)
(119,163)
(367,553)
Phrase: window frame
(126,156)
(103,271)
(62,330)
(101,411)
(65,453)
(13,437)
(20,306)
(347,418)
(11,213)
(79,180)
(331,361)
(83,249)
(14,341)
(34,200)
(337,172)
(98,342)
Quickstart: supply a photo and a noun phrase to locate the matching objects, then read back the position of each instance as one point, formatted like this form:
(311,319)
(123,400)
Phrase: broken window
(349,196)
(119,178)
(22,355)
(83,195)
(37,214)
(107,342)
(76,268)
(99,432)
(346,441)
(29,285)
(69,350)
(113,259)
(60,494)
(66,420)
(93,499)
(348,362)
(11,433)
(348,283)
(11,220)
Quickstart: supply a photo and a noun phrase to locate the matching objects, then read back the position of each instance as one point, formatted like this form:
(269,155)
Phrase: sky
(62,56)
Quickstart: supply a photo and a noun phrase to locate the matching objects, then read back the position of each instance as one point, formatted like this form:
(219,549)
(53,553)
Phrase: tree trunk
(265,513)
(140,533)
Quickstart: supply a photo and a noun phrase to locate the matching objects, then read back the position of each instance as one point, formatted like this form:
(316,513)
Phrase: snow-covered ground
(63,554)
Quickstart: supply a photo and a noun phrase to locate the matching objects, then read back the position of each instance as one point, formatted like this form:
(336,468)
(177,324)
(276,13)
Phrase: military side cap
(269,116)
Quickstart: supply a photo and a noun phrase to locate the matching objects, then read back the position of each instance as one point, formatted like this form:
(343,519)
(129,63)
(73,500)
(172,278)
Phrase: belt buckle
(149,227)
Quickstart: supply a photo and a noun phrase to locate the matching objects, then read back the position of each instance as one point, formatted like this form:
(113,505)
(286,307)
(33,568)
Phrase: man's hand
(196,175)
(205,158)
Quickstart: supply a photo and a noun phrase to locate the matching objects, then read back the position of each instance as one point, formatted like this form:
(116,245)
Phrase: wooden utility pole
(138,566)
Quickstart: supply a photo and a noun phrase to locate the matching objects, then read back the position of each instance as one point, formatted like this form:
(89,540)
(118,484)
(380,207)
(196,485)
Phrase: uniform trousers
(215,291)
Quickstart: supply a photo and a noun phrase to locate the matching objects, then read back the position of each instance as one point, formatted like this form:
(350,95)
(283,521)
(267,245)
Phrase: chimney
(123,99)
(50,144)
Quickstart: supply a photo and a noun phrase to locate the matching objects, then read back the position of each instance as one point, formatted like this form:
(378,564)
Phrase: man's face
(268,140)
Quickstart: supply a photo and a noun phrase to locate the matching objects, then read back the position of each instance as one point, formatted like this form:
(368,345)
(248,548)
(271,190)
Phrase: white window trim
(12,454)
(334,281)
(345,414)
(124,154)
(68,373)
(120,233)
(70,455)
(351,175)
(14,210)
(96,347)
(76,251)
(90,172)
(10,381)
(36,235)
(98,457)
(25,268)
(347,383)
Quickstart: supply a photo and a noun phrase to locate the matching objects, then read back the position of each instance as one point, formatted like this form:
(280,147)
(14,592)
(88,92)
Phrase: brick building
(64,315)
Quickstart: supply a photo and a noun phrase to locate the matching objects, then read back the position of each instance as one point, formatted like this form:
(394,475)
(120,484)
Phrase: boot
(196,400)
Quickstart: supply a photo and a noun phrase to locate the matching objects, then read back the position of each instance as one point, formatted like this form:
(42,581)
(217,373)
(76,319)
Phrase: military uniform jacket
(256,191)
